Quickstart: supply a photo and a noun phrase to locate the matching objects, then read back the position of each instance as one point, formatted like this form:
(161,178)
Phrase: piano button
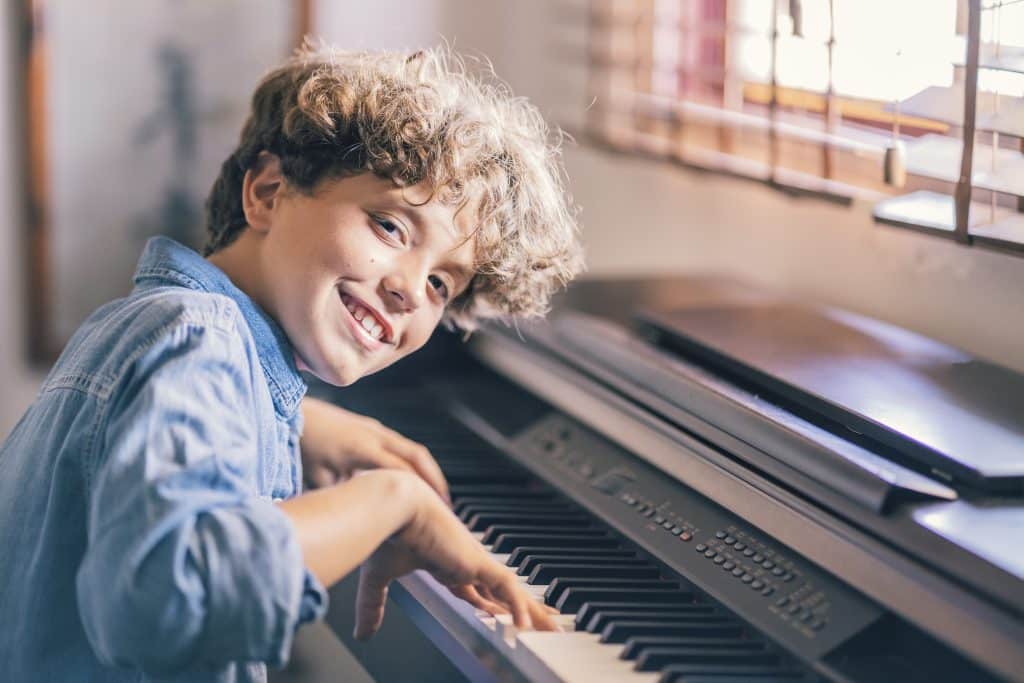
(729,540)
(710,627)
(573,599)
(767,590)
(548,572)
(767,564)
(601,618)
(655,659)
(728,566)
(700,547)
(592,609)
(709,553)
(757,584)
(685,536)
(698,673)
(740,546)
(507,543)
(793,609)
(719,560)
(720,535)
(738,571)
(531,561)
(746,578)
(561,584)
(658,519)
(778,571)
(667,525)
(677,530)
(758,557)
(518,557)
(649,512)
(782,602)
(787,577)
(748,552)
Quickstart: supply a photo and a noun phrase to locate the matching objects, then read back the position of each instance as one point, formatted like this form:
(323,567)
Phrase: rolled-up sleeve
(186,564)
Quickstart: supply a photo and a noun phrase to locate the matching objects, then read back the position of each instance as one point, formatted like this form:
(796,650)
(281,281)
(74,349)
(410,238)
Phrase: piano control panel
(758,579)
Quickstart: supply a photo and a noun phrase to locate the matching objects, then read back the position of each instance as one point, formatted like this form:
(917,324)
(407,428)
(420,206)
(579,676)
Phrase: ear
(262,189)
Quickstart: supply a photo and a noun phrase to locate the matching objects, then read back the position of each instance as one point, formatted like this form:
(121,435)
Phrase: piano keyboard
(626,617)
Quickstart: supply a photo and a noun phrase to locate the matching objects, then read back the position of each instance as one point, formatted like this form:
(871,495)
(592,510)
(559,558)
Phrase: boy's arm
(336,442)
(185,564)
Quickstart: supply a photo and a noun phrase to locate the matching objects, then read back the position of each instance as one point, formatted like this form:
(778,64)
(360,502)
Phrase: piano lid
(936,404)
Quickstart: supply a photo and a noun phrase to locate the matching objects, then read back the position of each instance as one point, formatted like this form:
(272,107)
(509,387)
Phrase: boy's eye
(439,285)
(386,225)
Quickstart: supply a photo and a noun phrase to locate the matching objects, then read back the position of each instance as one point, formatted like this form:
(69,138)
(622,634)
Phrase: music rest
(926,400)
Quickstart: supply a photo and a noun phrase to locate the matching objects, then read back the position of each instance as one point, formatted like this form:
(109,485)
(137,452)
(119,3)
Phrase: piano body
(714,484)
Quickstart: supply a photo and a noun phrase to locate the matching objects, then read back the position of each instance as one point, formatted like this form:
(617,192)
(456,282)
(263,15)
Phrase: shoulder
(150,327)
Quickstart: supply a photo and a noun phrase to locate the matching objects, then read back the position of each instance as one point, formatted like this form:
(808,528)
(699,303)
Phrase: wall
(646,217)
(18,382)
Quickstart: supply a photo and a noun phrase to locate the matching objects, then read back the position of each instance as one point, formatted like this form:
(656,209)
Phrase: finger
(542,617)
(511,594)
(322,477)
(371,596)
(473,597)
(422,462)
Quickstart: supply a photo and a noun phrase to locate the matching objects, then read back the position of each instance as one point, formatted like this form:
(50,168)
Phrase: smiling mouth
(367,320)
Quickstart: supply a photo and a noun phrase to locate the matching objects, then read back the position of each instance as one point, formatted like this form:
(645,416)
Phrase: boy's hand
(435,540)
(336,443)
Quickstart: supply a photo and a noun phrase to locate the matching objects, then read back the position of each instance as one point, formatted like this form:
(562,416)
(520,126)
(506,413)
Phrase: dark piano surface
(962,553)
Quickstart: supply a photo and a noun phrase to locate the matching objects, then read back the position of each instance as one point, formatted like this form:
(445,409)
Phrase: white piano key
(578,657)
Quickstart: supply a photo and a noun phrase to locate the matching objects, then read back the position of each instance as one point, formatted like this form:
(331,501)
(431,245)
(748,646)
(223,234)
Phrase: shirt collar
(170,262)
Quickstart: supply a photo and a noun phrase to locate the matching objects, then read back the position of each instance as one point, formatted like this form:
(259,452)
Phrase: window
(833,98)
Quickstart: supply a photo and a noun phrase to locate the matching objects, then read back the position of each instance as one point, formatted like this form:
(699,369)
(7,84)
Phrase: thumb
(370,598)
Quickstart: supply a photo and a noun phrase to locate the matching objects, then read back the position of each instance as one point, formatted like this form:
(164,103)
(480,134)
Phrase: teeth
(366,319)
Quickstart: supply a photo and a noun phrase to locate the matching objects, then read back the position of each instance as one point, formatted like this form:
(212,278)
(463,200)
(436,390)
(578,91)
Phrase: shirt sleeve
(186,565)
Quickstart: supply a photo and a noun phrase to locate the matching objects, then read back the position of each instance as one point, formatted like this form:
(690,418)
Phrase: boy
(150,504)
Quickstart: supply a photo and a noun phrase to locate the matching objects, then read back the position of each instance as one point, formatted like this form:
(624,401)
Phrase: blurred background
(789,143)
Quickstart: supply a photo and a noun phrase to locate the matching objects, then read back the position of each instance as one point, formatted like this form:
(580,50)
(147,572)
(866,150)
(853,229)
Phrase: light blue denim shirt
(137,519)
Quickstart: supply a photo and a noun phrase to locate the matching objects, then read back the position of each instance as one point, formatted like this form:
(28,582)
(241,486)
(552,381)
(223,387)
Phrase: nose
(405,285)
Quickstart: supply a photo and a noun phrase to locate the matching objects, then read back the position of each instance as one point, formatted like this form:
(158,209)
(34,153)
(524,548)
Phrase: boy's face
(359,273)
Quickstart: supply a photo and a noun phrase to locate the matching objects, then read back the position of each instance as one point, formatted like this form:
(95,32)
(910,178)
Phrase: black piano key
(573,599)
(506,543)
(549,571)
(465,510)
(657,658)
(463,476)
(483,520)
(458,491)
(519,556)
(635,647)
(594,607)
(693,673)
(564,583)
(591,560)
(709,627)
(602,618)
(496,530)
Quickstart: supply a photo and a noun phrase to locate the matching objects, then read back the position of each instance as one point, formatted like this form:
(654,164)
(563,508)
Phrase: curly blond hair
(420,117)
